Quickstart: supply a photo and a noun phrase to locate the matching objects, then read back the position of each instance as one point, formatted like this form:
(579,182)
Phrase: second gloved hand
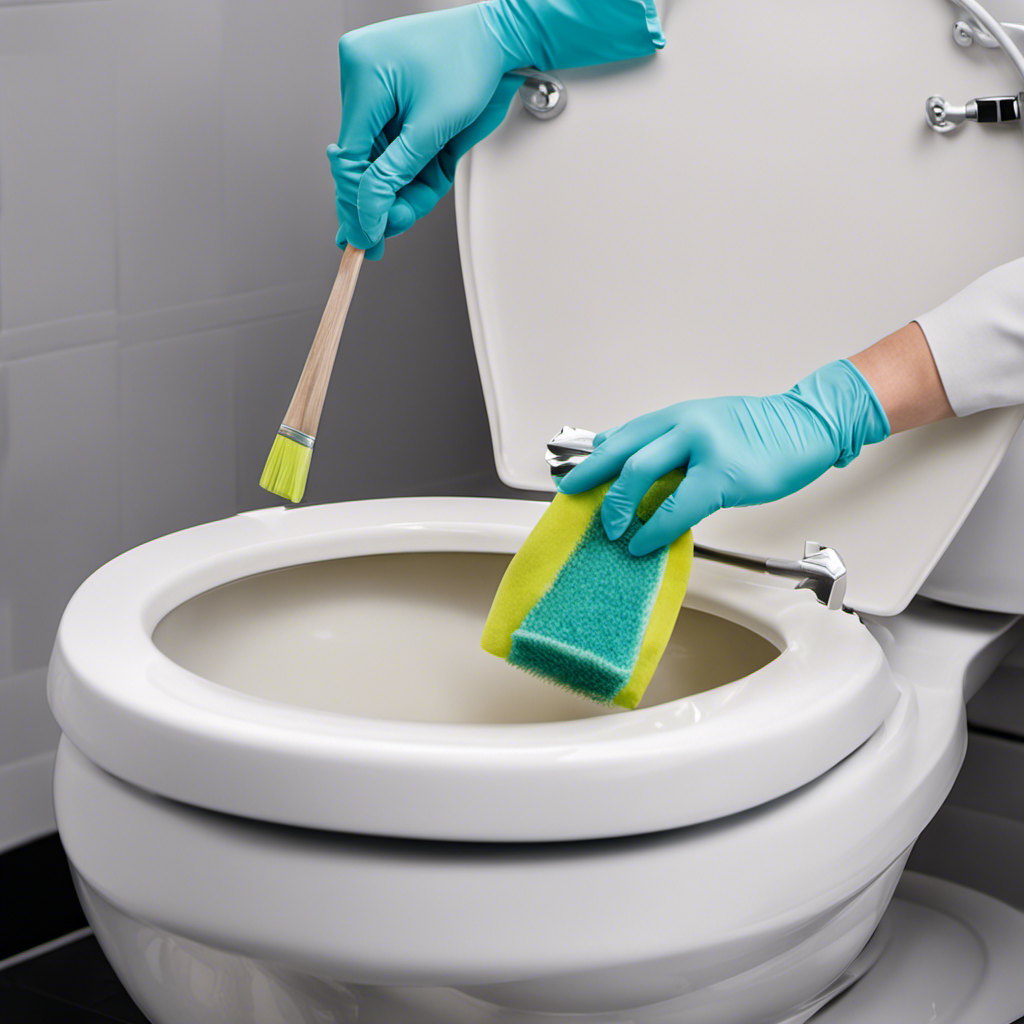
(736,451)
(418,92)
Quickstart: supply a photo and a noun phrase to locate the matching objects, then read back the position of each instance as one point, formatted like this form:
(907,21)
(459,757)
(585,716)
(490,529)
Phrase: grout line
(206,316)
(993,733)
(29,3)
(127,330)
(46,947)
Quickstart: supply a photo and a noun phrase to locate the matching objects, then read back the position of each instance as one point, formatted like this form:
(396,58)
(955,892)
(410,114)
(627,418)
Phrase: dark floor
(70,985)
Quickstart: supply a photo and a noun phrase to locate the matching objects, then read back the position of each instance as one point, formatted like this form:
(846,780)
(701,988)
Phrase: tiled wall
(166,246)
(977,838)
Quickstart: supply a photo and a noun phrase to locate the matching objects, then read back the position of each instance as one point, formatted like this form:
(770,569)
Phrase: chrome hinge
(821,570)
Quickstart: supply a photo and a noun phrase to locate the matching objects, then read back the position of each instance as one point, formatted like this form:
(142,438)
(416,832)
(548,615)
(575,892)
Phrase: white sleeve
(977,341)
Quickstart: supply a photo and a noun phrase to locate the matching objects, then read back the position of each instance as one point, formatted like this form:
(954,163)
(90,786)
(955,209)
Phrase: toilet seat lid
(758,199)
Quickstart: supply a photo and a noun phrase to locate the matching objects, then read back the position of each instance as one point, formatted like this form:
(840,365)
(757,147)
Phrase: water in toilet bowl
(396,636)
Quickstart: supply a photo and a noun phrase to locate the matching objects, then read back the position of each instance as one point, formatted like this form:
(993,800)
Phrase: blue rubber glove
(418,92)
(736,451)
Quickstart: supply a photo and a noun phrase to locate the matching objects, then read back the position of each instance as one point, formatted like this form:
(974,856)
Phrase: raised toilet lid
(759,198)
(288,698)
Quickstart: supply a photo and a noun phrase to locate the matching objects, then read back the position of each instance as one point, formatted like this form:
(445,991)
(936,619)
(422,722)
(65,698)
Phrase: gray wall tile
(999,704)
(56,162)
(170,178)
(405,406)
(59,484)
(26,728)
(992,778)
(977,838)
(976,849)
(177,438)
(281,107)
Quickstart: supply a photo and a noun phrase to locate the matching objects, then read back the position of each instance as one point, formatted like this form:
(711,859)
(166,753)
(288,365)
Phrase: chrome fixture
(543,94)
(981,27)
(969,32)
(944,117)
(821,570)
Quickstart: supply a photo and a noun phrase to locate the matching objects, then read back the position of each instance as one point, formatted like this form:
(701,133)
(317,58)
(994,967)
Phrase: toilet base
(173,979)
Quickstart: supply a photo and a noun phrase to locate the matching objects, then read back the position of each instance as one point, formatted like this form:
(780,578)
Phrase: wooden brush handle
(308,401)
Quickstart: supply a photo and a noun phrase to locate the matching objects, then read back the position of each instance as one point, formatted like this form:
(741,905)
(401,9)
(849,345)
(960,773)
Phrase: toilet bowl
(293,789)
(382,844)
(223,667)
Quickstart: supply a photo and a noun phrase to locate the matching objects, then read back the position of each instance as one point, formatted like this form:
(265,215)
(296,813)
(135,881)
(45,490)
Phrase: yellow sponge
(579,610)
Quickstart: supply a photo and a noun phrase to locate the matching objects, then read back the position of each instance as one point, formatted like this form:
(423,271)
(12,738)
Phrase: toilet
(292,788)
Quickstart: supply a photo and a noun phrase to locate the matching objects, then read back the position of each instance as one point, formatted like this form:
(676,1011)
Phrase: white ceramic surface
(943,954)
(952,956)
(397,637)
(761,197)
(983,567)
(150,721)
(178,979)
(788,893)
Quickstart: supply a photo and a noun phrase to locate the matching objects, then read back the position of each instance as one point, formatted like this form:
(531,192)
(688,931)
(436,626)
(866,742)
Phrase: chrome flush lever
(944,117)
(821,570)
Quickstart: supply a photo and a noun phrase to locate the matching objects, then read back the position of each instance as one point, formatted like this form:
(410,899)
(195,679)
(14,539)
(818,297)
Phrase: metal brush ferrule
(306,440)
(821,570)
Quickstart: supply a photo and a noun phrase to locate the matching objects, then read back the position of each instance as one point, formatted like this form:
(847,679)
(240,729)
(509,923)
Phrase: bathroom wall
(166,247)
(977,838)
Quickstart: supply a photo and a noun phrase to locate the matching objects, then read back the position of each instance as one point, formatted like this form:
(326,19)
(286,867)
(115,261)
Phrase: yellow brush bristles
(286,469)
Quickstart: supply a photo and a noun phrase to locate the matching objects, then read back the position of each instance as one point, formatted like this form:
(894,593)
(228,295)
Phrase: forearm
(903,374)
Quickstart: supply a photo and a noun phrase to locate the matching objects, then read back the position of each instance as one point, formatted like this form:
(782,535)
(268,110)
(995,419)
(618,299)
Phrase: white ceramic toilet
(293,789)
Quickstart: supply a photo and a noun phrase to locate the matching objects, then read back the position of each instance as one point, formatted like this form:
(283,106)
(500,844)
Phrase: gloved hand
(418,92)
(736,451)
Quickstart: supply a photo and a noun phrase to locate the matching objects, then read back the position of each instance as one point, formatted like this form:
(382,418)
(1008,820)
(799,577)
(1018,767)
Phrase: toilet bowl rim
(138,588)
(150,722)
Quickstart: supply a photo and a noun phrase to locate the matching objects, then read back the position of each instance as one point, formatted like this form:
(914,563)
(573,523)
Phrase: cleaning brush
(288,462)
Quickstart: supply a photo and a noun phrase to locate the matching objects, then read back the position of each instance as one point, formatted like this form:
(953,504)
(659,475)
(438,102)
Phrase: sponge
(579,610)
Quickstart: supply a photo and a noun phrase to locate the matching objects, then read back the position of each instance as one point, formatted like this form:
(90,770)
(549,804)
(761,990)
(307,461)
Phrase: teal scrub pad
(579,610)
